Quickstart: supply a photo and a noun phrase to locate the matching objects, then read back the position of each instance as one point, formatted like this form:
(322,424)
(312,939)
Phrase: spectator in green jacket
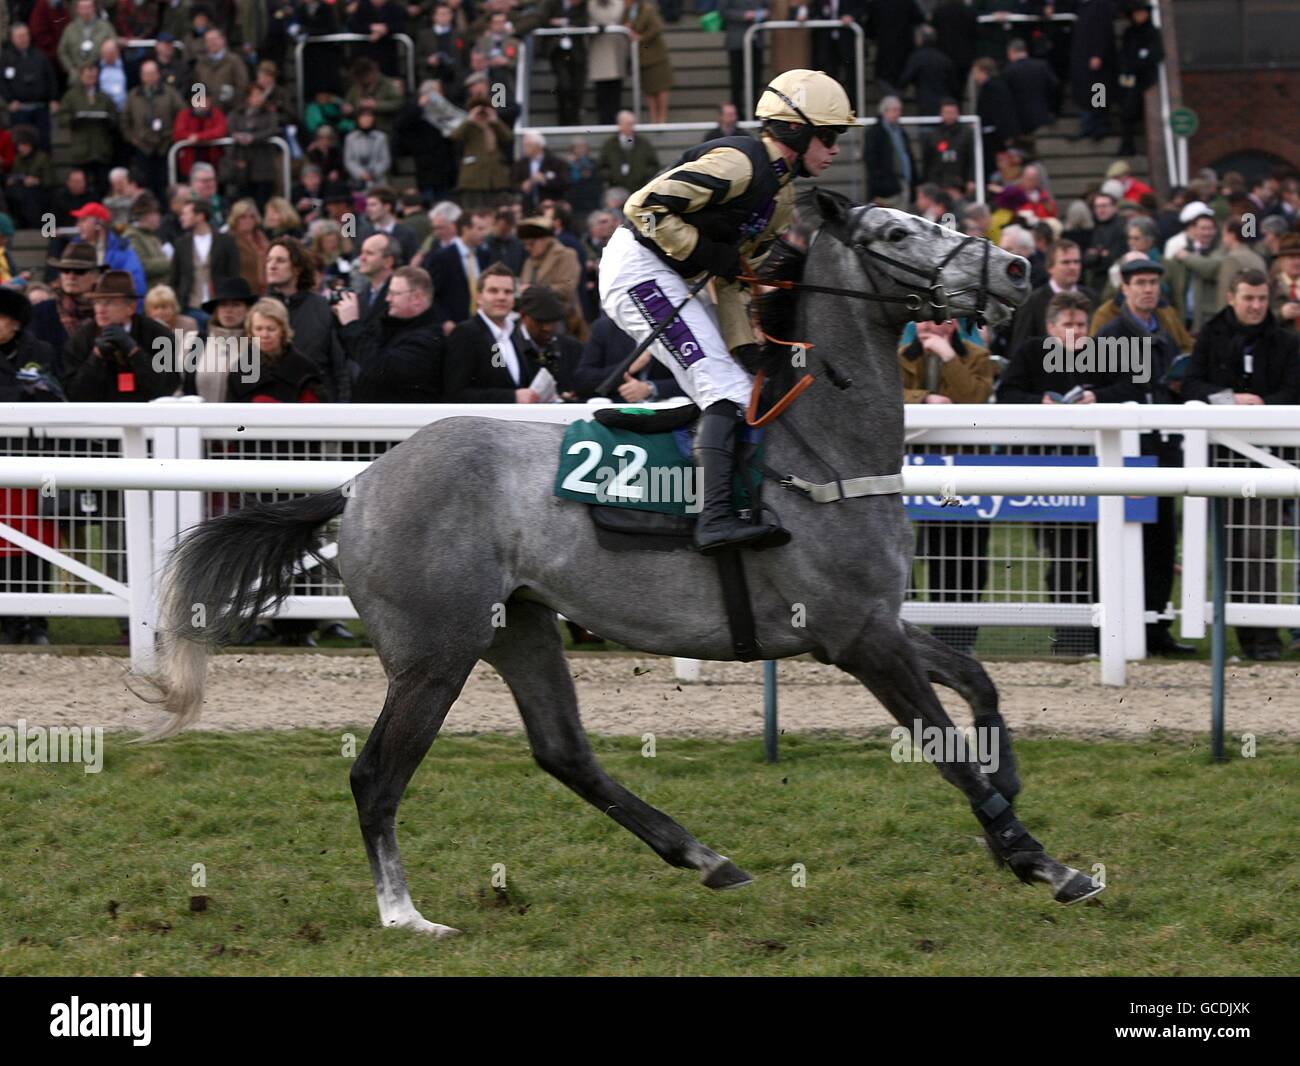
(82,37)
(627,159)
(91,120)
(371,89)
(146,217)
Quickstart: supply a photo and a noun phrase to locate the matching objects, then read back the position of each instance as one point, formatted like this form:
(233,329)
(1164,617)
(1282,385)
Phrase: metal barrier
(859,56)
(523,66)
(1175,149)
(855,159)
(349,38)
(223,142)
(175,436)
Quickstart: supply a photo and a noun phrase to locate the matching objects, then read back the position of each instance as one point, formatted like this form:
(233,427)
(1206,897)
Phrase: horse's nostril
(1016,271)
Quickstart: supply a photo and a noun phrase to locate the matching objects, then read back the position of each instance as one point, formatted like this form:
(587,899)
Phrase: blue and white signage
(1060,508)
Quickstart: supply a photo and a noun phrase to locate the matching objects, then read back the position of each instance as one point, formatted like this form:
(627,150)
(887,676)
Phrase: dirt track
(634,695)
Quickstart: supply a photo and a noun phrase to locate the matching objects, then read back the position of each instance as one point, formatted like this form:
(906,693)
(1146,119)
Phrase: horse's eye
(896,235)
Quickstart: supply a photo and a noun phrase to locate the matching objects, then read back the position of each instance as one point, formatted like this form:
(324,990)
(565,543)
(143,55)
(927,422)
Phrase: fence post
(1219,643)
(1113,565)
(139,557)
(1132,546)
(1191,618)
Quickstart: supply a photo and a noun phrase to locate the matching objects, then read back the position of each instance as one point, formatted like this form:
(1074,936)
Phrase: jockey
(724,199)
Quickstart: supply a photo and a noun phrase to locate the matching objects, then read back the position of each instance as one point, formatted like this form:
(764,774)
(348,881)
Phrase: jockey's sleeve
(660,210)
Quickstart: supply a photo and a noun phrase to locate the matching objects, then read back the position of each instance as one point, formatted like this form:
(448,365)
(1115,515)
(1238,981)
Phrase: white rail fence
(167,485)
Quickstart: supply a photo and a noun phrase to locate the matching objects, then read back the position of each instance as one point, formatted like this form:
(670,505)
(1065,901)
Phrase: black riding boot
(718,527)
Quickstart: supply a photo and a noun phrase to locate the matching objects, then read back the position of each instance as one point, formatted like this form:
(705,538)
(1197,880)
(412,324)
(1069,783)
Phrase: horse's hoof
(726,875)
(416,924)
(1078,888)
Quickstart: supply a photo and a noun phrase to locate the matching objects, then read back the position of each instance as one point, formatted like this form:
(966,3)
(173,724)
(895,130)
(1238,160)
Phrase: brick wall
(1247,110)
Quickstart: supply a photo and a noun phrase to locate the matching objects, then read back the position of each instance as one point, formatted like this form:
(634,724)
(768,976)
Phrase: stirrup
(739,539)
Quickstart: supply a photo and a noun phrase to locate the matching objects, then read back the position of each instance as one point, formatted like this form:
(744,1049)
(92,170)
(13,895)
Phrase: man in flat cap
(541,316)
(1153,344)
(554,265)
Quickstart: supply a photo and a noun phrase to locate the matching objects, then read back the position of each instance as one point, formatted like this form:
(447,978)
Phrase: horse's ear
(817,206)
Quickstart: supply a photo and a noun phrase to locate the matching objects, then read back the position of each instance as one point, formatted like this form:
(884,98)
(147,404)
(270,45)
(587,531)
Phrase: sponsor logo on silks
(676,336)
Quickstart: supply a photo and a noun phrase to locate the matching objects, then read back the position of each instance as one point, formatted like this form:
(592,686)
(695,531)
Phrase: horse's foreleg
(419,697)
(529,654)
(888,664)
(965,676)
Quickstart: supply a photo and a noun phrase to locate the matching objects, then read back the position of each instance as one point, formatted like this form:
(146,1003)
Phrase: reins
(936,295)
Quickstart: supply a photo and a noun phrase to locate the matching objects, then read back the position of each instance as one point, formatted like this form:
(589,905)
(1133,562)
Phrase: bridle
(935,295)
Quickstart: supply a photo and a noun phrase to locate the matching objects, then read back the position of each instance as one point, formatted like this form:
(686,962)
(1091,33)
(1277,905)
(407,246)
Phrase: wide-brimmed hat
(535,227)
(113,283)
(1288,245)
(541,303)
(15,305)
(336,194)
(76,256)
(228,290)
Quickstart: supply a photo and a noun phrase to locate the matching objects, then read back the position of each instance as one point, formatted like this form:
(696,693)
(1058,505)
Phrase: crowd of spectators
(470,275)
(1203,284)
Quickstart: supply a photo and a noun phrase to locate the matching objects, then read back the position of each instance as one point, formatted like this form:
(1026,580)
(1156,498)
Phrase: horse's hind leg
(889,665)
(419,696)
(529,655)
(965,676)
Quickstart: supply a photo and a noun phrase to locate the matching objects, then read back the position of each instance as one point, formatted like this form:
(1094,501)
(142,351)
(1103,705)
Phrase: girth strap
(740,612)
(847,489)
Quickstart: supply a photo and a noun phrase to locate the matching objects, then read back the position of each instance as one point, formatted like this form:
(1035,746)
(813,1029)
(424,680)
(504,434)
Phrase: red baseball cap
(93,210)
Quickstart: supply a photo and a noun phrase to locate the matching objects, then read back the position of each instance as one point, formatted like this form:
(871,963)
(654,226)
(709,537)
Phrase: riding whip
(611,383)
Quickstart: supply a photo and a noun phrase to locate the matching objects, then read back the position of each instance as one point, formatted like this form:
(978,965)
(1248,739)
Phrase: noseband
(935,295)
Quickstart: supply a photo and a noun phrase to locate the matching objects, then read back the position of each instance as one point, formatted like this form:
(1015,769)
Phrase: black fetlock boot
(718,527)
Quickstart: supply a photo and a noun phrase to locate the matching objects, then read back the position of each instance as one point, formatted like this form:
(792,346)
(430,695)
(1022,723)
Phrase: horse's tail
(226,573)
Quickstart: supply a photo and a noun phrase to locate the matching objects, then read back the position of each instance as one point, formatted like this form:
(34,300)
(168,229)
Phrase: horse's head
(921,270)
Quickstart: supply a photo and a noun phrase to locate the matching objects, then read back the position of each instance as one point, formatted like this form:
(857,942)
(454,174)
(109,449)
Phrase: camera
(338,286)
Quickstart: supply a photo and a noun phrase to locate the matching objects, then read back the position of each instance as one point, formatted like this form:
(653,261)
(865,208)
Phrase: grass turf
(97,869)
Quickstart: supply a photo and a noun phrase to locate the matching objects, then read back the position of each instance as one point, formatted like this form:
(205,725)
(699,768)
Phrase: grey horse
(457,530)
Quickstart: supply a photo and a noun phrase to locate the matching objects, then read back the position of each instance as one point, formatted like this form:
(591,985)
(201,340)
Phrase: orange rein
(752,417)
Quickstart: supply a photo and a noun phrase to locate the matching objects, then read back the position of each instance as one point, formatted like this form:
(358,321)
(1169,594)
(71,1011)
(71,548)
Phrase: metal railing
(350,38)
(1010,17)
(163,496)
(859,56)
(223,142)
(1175,149)
(855,158)
(523,66)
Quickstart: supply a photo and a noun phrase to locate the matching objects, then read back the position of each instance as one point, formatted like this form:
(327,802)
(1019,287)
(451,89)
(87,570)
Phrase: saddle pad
(620,468)
(648,420)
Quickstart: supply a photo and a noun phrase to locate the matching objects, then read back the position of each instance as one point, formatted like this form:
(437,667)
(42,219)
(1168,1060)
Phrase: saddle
(644,502)
(626,520)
